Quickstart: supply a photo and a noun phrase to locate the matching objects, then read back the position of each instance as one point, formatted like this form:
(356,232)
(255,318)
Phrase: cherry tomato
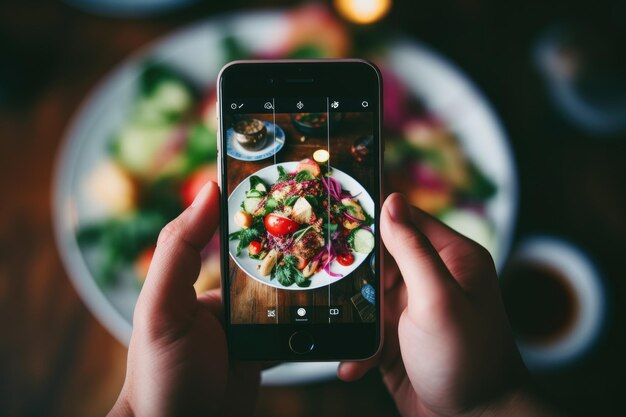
(254,247)
(345,259)
(301,263)
(309,165)
(279,225)
(142,263)
(194,183)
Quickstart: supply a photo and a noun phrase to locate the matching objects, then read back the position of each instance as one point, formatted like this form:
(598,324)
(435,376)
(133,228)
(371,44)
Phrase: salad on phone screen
(299,225)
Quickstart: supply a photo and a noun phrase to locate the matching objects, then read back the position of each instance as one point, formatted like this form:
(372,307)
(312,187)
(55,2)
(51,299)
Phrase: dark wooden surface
(57,360)
(250,298)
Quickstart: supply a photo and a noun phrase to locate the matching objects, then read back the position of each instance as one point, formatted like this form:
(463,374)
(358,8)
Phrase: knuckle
(413,239)
(481,253)
(171,232)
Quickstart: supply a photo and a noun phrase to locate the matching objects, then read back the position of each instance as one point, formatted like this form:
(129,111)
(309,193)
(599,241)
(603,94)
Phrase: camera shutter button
(301,342)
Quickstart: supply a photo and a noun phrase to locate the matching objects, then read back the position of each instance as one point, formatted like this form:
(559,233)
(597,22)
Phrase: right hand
(448,349)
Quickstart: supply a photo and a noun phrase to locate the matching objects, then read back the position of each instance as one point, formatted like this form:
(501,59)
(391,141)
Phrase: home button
(301,342)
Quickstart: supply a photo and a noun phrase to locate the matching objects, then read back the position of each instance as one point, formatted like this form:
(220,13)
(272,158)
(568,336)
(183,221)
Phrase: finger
(424,273)
(391,274)
(439,234)
(459,254)
(352,371)
(212,301)
(168,298)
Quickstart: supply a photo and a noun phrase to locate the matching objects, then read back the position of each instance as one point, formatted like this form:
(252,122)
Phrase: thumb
(168,300)
(425,275)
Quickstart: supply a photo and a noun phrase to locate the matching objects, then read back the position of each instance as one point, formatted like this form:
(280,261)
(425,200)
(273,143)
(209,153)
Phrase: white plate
(234,149)
(444,89)
(270,176)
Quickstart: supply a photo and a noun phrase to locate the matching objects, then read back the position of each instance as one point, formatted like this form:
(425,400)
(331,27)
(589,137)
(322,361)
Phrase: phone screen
(302,179)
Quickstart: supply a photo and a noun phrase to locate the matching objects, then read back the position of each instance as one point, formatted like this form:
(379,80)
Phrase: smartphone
(300,156)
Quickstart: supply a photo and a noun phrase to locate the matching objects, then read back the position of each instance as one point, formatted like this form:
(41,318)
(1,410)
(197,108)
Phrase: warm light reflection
(363,11)
(321,156)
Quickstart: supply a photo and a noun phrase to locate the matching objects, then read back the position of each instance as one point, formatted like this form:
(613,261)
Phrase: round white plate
(443,88)
(234,149)
(270,176)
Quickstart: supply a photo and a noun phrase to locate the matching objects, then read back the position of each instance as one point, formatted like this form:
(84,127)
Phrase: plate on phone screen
(320,279)
(235,150)
(443,90)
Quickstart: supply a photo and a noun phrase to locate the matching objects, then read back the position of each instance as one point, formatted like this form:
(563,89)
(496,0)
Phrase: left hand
(178,359)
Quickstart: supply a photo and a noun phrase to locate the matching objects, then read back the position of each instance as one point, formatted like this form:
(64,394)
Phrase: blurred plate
(235,150)
(197,52)
(270,176)
(129,8)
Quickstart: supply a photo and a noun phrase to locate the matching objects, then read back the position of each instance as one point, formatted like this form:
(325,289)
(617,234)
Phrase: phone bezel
(345,77)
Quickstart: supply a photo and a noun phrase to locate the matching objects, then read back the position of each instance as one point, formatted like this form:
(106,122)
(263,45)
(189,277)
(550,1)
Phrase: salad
(299,225)
(155,164)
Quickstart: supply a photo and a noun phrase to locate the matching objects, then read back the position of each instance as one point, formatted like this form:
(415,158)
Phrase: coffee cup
(555,301)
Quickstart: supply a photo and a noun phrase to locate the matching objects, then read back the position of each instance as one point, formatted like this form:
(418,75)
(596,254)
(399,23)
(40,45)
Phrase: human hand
(448,348)
(178,359)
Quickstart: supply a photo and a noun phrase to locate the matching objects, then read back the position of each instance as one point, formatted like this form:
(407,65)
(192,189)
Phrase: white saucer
(235,150)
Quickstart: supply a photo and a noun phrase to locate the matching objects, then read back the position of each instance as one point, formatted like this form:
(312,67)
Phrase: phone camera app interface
(302,183)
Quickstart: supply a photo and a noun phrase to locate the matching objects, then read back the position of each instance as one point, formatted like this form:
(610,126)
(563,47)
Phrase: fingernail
(341,369)
(399,209)
(202,194)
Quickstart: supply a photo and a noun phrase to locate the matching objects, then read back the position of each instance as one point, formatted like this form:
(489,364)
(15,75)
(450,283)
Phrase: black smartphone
(300,156)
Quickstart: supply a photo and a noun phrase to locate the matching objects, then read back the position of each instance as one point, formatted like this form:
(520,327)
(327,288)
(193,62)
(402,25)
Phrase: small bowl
(310,123)
(583,284)
(250,133)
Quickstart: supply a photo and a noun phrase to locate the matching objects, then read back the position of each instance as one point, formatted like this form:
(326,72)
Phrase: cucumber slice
(253,194)
(167,103)
(138,145)
(173,97)
(249,205)
(363,241)
(257,184)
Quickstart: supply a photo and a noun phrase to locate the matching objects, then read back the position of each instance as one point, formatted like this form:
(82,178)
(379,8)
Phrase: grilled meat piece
(307,246)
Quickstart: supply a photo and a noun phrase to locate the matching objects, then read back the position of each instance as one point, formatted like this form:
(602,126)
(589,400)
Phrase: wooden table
(252,299)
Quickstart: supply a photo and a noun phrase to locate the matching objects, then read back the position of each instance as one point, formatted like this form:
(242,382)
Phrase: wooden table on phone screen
(250,299)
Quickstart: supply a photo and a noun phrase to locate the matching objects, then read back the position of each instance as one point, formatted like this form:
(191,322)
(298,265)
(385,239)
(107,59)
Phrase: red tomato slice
(301,263)
(254,247)
(194,183)
(279,225)
(345,259)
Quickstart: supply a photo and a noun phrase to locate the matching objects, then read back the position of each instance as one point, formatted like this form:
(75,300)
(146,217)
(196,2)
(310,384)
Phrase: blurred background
(510,119)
